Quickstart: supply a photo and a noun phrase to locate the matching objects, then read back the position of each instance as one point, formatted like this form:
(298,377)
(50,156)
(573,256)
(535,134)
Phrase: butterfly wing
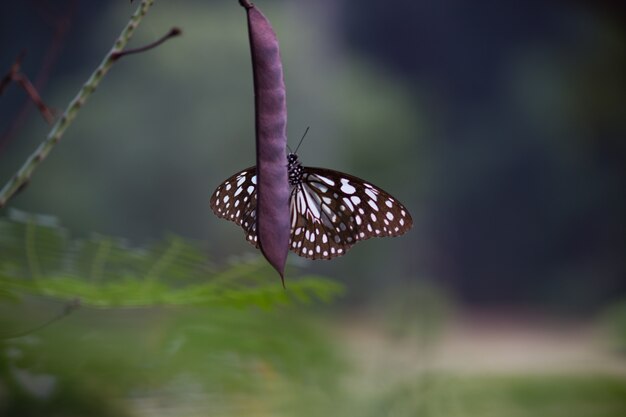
(331,211)
(235,200)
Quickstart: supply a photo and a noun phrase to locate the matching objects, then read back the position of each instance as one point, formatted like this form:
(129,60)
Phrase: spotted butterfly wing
(330,211)
(235,200)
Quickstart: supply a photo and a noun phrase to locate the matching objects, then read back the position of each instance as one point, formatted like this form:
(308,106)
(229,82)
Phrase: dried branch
(15,67)
(15,75)
(60,25)
(171,34)
(24,174)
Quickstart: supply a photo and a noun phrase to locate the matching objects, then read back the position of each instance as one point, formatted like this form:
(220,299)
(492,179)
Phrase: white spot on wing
(346,187)
(371,194)
(349,203)
(372,204)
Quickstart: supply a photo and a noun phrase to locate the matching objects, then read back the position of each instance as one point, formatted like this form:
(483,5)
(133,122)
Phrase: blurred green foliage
(125,356)
(154,318)
(41,259)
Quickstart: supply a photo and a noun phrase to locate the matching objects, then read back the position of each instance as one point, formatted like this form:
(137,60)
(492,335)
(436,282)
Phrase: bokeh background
(501,125)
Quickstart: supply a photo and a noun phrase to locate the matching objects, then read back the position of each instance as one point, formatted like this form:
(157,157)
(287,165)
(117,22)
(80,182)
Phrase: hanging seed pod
(273,223)
(282,205)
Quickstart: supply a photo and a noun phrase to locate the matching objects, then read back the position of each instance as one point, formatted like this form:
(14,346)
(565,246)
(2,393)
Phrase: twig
(56,133)
(60,26)
(172,33)
(15,67)
(68,309)
(22,80)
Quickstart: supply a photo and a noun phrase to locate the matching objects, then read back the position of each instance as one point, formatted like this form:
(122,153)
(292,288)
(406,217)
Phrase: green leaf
(38,258)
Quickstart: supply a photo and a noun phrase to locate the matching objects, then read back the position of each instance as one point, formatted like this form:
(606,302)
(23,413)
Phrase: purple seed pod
(282,205)
(273,223)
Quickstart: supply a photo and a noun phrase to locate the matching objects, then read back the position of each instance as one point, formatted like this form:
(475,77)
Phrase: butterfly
(330,211)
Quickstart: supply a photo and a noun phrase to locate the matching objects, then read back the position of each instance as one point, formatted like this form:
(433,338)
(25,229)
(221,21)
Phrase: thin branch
(60,25)
(56,133)
(15,75)
(15,67)
(68,309)
(30,89)
(171,34)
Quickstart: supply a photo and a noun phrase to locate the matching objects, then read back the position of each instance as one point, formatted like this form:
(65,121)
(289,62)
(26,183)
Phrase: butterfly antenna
(303,136)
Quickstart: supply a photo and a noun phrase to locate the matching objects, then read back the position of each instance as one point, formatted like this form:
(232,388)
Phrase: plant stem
(68,309)
(172,33)
(23,175)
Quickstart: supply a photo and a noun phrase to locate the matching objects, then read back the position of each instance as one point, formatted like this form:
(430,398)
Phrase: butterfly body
(330,211)
(294,169)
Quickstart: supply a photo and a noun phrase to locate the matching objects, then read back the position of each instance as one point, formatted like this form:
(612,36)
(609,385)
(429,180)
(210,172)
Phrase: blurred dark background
(501,125)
